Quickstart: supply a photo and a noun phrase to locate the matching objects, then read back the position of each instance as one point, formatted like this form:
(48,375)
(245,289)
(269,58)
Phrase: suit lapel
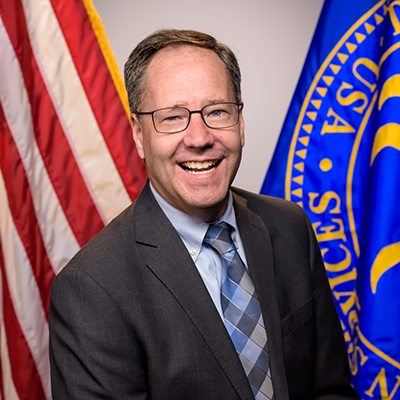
(260,259)
(168,258)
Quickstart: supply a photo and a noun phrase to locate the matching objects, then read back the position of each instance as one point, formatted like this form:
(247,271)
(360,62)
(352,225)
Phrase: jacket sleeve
(93,353)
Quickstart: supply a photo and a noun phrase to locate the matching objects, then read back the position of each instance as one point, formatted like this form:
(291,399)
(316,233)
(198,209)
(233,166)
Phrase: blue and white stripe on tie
(242,312)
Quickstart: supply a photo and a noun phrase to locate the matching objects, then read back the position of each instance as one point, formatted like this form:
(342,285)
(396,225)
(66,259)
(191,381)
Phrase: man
(149,309)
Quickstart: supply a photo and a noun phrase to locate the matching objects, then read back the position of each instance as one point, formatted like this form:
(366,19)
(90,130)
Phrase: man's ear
(241,128)
(137,135)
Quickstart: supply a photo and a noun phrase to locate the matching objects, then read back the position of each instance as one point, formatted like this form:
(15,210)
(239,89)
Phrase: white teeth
(194,167)
(198,165)
(196,172)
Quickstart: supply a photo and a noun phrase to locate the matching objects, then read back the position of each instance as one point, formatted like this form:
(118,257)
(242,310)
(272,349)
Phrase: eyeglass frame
(239,104)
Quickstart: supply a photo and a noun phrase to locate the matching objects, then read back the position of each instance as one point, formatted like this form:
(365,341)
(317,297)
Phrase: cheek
(150,148)
(235,143)
(160,150)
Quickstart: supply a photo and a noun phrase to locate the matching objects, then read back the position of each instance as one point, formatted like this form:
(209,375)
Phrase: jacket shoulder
(269,207)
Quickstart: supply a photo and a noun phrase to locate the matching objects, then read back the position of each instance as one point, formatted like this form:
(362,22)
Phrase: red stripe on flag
(23,212)
(101,92)
(58,158)
(2,339)
(25,375)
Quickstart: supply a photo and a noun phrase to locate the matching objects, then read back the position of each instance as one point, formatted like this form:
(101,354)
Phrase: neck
(207,214)
(210,214)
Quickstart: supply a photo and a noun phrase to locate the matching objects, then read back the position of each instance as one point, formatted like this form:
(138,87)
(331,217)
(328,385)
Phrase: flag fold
(338,157)
(68,165)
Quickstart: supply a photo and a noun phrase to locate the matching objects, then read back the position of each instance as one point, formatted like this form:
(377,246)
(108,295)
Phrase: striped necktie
(242,312)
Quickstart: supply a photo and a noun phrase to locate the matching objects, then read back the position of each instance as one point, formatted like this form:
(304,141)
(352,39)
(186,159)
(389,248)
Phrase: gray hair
(140,58)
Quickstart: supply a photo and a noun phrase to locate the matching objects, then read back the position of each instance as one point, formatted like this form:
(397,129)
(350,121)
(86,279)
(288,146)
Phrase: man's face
(178,164)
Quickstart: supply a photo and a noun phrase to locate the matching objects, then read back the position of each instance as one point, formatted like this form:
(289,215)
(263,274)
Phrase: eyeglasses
(177,119)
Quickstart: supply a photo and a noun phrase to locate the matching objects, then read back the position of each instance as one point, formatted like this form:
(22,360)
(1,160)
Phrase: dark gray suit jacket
(130,317)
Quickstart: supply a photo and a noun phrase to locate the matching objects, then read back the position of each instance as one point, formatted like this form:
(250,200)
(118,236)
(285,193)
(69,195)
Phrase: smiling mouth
(200,167)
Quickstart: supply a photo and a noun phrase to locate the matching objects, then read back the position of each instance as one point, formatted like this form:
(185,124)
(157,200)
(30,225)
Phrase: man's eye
(216,113)
(172,118)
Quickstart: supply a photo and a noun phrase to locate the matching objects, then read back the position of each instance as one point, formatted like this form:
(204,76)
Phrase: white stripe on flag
(9,390)
(24,292)
(80,126)
(17,111)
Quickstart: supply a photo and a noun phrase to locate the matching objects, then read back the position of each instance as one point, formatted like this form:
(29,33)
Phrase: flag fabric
(67,166)
(338,157)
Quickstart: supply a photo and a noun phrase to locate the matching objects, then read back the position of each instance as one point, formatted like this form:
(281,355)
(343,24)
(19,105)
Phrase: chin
(206,200)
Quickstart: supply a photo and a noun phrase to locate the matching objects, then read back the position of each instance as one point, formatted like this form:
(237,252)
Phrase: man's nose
(198,134)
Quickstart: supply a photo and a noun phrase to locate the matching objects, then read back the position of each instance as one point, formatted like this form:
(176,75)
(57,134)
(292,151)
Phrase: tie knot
(218,236)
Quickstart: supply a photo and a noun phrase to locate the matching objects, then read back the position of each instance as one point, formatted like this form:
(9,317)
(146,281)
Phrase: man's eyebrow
(209,102)
(216,101)
(178,105)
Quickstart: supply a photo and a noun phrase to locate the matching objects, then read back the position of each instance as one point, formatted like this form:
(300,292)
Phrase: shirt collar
(190,229)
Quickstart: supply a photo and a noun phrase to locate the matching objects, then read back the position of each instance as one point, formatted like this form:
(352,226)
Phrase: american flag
(67,166)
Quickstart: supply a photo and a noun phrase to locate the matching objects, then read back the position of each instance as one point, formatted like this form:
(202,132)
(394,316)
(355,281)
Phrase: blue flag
(338,157)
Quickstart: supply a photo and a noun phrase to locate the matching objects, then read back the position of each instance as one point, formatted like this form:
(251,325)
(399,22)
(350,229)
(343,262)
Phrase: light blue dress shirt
(192,231)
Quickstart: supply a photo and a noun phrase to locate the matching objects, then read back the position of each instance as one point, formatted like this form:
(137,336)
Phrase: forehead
(181,71)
